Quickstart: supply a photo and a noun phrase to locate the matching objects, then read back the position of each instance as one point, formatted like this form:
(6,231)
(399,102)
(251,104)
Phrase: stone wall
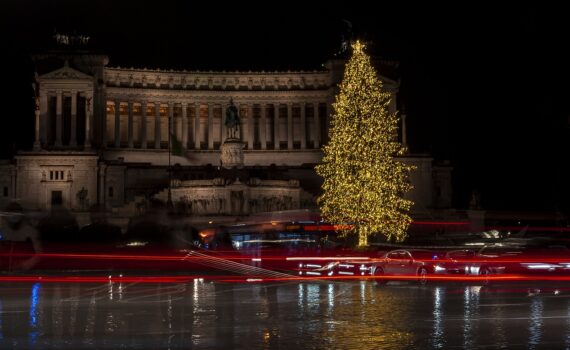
(42,178)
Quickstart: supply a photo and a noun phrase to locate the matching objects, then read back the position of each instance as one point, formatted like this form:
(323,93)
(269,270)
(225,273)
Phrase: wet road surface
(295,315)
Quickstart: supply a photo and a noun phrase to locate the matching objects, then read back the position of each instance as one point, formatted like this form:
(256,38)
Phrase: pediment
(65,73)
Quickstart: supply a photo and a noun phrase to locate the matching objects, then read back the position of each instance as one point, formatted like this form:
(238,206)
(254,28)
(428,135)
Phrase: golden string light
(364,185)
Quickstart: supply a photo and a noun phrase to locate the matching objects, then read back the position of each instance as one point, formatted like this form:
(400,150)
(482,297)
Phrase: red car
(405,264)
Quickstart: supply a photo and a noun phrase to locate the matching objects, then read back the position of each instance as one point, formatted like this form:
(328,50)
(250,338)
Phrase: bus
(283,246)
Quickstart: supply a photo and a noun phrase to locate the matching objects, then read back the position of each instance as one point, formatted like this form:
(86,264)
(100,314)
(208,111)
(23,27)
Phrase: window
(5,191)
(56,175)
(111,192)
(394,255)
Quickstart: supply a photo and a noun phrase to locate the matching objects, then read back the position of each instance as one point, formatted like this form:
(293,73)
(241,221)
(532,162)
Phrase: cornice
(234,81)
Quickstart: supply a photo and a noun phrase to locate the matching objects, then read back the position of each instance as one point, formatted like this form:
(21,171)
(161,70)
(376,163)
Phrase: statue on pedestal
(232,121)
(232,148)
(475,202)
(82,198)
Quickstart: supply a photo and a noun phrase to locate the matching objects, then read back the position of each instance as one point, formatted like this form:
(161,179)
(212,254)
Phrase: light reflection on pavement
(296,315)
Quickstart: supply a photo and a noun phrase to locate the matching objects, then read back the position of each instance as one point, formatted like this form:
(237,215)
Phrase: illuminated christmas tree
(364,184)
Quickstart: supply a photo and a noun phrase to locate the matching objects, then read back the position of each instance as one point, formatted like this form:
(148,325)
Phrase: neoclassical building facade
(103,135)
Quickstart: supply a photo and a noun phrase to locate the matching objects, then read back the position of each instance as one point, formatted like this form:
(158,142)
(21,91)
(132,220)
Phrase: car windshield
(460,254)
(423,255)
(274,236)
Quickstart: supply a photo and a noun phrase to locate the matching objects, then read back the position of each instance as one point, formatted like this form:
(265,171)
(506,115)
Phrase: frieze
(150,95)
(234,201)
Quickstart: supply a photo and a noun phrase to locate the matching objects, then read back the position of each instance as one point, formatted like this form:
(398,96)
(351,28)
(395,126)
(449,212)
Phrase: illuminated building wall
(115,122)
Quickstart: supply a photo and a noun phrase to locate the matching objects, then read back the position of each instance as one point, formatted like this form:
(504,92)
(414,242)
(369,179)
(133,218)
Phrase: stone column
(170,123)
(13,189)
(178,127)
(58,118)
(223,131)
(263,127)
(37,143)
(157,125)
(251,126)
(302,129)
(43,117)
(130,126)
(103,109)
(289,126)
(197,125)
(317,126)
(88,106)
(143,125)
(240,129)
(185,125)
(117,123)
(73,136)
(276,139)
(210,126)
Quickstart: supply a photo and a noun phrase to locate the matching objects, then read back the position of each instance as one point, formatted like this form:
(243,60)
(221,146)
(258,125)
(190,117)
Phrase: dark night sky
(485,87)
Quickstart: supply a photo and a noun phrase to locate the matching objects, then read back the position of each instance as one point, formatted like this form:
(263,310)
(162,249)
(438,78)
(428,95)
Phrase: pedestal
(232,153)
(477,220)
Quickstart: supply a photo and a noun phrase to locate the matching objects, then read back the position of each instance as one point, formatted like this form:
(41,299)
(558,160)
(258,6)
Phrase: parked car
(526,258)
(396,264)
(405,264)
(454,262)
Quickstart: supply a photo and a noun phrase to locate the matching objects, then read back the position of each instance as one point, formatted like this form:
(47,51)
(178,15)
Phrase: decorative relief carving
(294,183)
(232,154)
(66,73)
(241,202)
(219,181)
